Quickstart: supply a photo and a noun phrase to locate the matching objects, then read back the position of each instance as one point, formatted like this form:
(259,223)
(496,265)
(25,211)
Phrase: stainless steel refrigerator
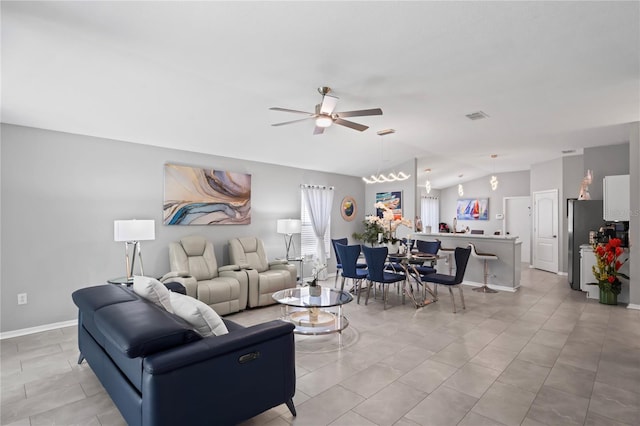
(583,216)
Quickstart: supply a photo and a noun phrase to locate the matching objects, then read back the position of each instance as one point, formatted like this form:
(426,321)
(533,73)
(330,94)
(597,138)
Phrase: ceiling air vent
(479,115)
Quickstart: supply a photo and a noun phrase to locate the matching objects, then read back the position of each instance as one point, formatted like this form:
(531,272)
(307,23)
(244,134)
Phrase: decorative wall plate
(348,208)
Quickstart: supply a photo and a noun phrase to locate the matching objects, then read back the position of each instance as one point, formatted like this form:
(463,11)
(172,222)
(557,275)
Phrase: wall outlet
(22,299)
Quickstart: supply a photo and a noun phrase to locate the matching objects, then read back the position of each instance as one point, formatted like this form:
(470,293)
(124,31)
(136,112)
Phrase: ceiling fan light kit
(325,114)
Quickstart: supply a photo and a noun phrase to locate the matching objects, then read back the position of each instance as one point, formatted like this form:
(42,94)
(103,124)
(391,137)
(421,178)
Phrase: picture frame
(472,209)
(348,208)
(201,196)
(393,201)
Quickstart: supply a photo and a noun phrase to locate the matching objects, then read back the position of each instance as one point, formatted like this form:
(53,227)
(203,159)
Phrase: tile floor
(541,356)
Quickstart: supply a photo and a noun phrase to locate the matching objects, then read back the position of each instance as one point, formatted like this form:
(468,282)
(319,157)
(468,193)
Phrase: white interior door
(517,222)
(545,230)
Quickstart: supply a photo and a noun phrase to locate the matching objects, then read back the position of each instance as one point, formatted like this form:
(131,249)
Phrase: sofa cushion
(204,319)
(140,328)
(152,290)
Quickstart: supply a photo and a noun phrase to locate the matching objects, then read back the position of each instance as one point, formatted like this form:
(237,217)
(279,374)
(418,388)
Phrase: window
(308,237)
(430,212)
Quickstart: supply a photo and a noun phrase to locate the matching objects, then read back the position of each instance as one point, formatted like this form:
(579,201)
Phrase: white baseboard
(633,306)
(566,274)
(38,329)
(492,286)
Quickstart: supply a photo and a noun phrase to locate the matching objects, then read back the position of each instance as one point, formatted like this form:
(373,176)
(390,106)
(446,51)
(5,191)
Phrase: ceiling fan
(325,116)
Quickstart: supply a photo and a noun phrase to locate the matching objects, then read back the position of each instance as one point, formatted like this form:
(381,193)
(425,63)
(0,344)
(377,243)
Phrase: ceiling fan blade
(360,113)
(290,110)
(350,124)
(328,104)
(318,130)
(292,121)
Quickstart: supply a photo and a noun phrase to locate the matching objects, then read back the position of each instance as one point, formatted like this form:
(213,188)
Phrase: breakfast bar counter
(504,273)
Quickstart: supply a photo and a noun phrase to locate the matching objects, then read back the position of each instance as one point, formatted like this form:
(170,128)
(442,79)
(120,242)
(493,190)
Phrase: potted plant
(372,229)
(314,288)
(607,270)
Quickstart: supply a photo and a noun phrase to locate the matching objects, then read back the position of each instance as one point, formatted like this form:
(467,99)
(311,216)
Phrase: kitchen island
(504,273)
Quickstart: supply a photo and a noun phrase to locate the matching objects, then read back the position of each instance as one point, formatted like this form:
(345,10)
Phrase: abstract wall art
(197,196)
(473,209)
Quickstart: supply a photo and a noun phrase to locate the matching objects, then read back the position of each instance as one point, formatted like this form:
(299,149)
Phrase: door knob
(555,236)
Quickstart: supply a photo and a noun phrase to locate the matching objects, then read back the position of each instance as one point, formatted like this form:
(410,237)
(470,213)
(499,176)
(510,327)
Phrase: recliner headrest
(249,244)
(193,245)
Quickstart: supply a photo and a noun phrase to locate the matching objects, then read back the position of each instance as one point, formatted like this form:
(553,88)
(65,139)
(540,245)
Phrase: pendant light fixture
(380,177)
(460,188)
(427,184)
(494,179)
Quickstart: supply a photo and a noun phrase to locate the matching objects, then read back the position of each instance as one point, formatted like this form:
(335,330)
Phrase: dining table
(408,262)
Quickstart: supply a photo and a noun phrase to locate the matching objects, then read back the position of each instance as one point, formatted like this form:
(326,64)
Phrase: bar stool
(449,252)
(485,257)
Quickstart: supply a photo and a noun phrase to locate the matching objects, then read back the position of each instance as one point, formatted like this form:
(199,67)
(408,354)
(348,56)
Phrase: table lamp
(132,232)
(288,227)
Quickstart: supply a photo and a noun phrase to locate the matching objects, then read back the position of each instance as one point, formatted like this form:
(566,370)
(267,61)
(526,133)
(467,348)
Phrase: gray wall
(573,172)
(408,188)
(634,223)
(513,184)
(605,161)
(61,193)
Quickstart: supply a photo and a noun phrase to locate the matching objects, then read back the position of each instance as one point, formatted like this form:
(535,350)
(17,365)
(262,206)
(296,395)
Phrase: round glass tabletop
(300,297)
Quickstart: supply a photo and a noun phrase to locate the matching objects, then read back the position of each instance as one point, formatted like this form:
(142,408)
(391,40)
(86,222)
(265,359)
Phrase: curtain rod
(316,186)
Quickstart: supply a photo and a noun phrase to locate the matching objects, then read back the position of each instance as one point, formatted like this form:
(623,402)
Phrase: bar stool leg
(485,288)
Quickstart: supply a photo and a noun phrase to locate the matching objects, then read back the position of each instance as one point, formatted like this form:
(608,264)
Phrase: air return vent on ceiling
(479,115)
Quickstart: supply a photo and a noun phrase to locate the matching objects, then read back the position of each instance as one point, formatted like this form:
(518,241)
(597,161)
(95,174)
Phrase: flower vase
(608,297)
(315,290)
(393,247)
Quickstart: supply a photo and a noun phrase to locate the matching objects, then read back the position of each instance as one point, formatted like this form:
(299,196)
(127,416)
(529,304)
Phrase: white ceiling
(200,76)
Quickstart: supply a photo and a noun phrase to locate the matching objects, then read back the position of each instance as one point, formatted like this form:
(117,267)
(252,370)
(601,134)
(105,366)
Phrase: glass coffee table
(311,314)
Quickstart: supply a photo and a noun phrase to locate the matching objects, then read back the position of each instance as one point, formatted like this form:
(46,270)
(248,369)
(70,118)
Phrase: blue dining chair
(349,256)
(376,258)
(428,247)
(452,281)
(344,242)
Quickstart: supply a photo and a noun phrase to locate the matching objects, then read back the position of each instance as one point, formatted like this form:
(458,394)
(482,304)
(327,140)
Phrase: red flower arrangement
(607,269)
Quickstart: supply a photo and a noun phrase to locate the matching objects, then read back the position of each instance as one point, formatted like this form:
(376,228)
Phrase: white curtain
(319,201)
(430,211)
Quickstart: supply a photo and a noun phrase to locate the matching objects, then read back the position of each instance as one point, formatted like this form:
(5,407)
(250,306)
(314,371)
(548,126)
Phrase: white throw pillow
(152,290)
(200,315)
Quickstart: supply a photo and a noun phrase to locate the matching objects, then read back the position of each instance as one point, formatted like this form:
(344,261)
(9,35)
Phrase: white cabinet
(587,261)
(616,195)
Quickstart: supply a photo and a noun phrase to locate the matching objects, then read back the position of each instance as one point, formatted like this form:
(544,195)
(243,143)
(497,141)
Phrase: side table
(121,280)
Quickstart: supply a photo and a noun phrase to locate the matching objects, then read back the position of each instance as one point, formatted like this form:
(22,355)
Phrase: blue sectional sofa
(159,371)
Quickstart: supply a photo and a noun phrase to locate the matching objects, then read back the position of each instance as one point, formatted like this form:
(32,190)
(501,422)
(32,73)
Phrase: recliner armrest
(278,262)
(229,268)
(245,266)
(174,274)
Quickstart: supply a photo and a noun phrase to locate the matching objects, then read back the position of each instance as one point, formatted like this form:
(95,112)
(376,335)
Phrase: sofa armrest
(229,268)
(221,380)
(174,274)
(189,283)
(216,346)
(278,262)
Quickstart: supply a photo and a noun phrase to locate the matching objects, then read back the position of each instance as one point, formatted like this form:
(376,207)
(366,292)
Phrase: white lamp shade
(134,230)
(289,226)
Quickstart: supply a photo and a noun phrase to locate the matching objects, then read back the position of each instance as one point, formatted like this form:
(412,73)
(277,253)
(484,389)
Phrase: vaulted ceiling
(201,76)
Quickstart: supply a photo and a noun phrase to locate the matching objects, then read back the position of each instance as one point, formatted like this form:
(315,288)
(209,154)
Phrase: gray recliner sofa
(265,278)
(193,264)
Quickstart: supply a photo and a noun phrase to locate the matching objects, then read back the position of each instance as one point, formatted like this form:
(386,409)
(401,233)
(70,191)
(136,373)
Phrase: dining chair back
(376,258)
(428,247)
(349,256)
(335,241)
(339,262)
(452,281)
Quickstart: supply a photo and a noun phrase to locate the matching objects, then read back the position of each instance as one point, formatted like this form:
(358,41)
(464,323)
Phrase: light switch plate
(499,216)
